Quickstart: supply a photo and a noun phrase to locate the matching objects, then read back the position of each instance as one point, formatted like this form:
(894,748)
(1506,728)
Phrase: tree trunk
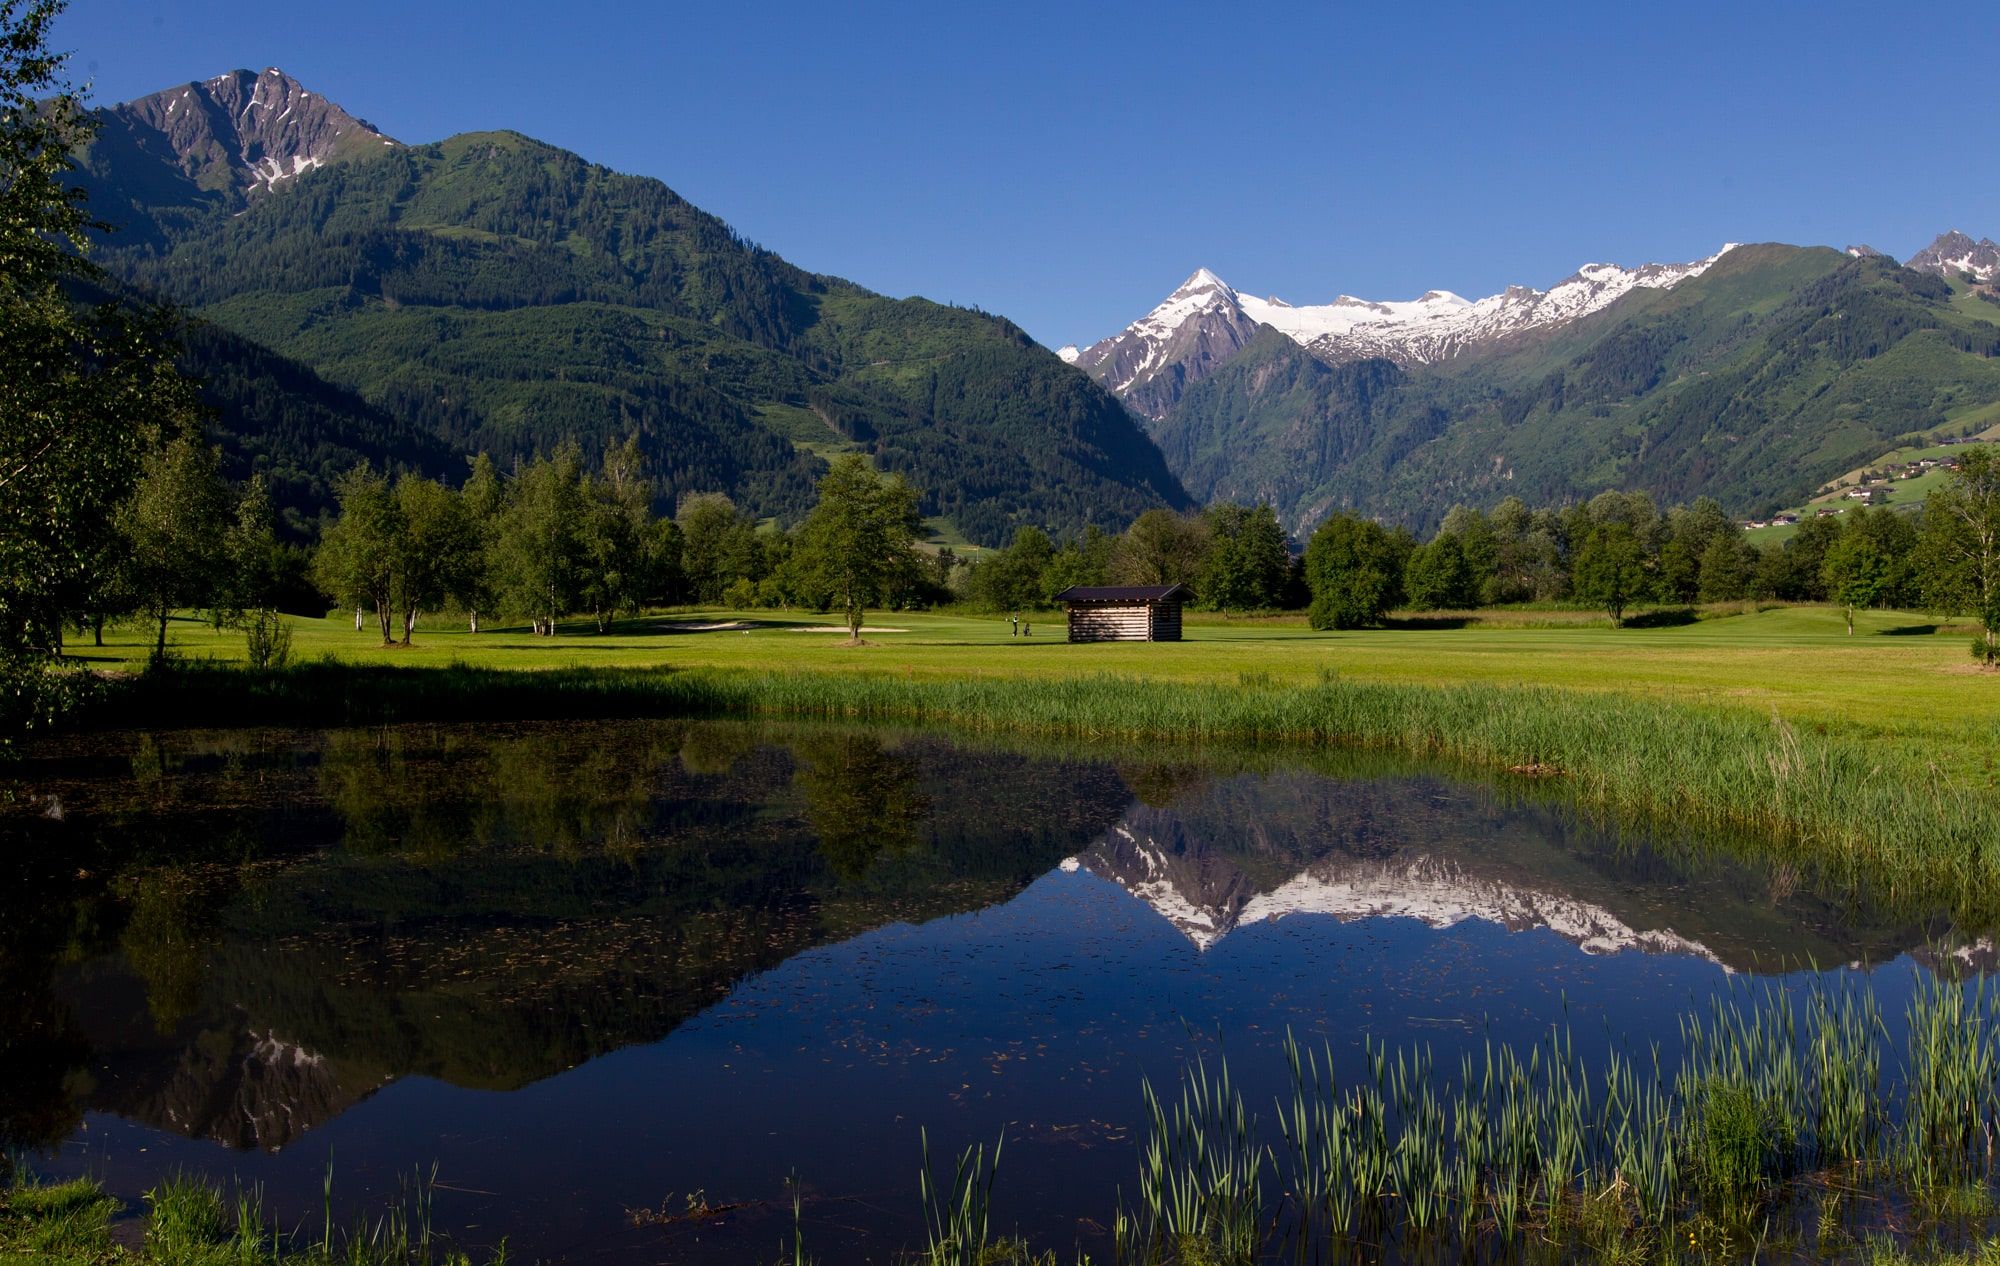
(409,624)
(854,622)
(97,630)
(160,643)
(1850,621)
(387,620)
(473,615)
(357,618)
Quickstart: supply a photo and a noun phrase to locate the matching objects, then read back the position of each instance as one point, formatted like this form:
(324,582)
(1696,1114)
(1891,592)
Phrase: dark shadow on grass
(1911,630)
(1666,618)
(1422,623)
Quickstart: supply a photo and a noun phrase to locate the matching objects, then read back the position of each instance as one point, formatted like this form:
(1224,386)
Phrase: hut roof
(1121,593)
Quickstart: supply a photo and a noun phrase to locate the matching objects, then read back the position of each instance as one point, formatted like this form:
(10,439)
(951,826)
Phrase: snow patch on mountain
(1954,253)
(1438,325)
(1205,320)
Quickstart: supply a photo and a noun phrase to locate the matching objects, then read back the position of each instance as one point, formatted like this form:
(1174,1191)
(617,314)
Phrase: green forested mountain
(492,292)
(1775,370)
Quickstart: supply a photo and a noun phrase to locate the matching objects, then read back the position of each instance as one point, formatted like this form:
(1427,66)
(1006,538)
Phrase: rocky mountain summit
(1954,253)
(1152,362)
(240,133)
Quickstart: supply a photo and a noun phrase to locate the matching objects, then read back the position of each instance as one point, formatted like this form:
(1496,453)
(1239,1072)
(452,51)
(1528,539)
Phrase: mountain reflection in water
(241,937)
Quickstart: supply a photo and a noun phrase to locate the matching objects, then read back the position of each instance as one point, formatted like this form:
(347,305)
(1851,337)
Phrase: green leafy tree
(258,570)
(174,528)
(1160,548)
(618,544)
(484,497)
(85,392)
(1439,577)
(1084,561)
(1247,560)
(858,541)
(1479,543)
(1354,570)
(1726,569)
(1016,578)
(1856,572)
(1611,568)
(718,545)
(357,555)
(539,546)
(437,553)
(1961,544)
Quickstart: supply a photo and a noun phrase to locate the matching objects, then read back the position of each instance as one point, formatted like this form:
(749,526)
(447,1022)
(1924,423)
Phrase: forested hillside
(492,293)
(1776,370)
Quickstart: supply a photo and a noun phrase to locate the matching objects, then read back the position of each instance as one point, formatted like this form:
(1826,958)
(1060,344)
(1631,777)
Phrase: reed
(1524,1147)
(958,1212)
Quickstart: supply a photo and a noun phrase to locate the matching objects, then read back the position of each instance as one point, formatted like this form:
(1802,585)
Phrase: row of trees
(552,538)
(1617,552)
(1233,558)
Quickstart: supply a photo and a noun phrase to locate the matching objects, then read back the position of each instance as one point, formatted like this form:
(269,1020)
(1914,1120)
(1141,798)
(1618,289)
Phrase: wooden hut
(1123,613)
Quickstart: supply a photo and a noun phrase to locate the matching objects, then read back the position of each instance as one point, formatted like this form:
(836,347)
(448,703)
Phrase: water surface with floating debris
(601,975)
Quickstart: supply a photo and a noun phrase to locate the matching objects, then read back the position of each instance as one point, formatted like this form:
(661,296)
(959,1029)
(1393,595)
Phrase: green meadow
(1903,679)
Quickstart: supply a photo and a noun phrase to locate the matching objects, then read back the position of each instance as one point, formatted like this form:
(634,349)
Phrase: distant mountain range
(410,304)
(489,292)
(1752,375)
(1151,362)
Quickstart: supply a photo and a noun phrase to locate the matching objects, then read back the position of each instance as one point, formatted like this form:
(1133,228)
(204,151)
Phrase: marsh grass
(1755,1143)
(193,1222)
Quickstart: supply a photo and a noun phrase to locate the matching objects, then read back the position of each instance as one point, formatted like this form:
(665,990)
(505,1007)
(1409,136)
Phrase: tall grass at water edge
(1857,809)
(1782,1132)
(192,1222)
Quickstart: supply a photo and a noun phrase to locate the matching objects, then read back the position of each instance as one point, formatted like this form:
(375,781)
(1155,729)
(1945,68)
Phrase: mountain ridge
(1153,361)
(503,294)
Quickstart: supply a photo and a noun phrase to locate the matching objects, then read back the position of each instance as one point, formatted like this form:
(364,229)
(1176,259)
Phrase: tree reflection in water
(864,801)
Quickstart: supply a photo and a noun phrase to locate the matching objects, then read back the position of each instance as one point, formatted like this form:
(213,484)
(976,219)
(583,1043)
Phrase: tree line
(555,539)
(1616,552)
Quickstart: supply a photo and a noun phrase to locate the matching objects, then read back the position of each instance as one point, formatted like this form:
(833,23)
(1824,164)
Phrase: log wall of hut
(1132,622)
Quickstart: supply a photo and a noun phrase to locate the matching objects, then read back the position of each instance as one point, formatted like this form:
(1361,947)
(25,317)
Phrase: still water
(590,970)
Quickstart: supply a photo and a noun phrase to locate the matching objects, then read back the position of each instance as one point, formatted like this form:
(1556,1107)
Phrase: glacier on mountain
(1429,329)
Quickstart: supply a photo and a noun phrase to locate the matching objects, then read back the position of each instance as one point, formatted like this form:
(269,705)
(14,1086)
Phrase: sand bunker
(688,626)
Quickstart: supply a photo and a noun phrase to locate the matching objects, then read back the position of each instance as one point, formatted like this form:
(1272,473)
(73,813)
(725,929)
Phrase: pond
(588,976)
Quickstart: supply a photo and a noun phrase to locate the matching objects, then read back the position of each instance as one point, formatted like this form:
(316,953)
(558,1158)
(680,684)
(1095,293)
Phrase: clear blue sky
(1067,165)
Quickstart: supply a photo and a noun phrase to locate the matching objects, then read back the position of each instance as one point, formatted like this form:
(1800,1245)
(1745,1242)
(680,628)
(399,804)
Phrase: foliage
(173,528)
(856,543)
(1247,563)
(1856,573)
(1961,545)
(1161,548)
(1354,569)
(1438,576)
(1610,569)
(85,392)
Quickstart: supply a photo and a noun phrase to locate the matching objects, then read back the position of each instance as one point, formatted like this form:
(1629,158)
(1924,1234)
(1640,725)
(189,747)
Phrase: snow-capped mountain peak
(1204,321)
(1954,253)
